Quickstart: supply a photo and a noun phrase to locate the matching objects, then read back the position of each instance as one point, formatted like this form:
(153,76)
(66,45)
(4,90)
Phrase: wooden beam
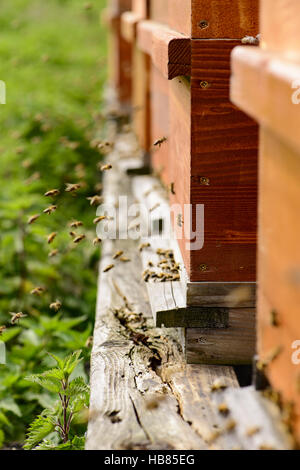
(170,51)
(233,345)
(221,294)
(129,22)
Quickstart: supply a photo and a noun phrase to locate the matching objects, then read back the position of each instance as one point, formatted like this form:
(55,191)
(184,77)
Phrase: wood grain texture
(170,51)
(232,345)
(159,11)
(141,98)
(226,19)
(219,294)
(224,152)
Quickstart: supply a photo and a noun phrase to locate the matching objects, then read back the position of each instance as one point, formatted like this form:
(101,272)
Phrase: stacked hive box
(181,90)
(120,57)
(266,85)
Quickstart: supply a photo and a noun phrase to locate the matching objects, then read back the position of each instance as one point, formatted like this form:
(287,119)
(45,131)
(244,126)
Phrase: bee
(99,219)
(96,241)
(150,264)
(37,290)
(16,317)
(230,425)
(218,385)
(79,238)
(72,187)
(33,218)
(223,409)
(108,268)
(89,342)
(160,251)
(171,188)
(106,167)
(53,253)
(118,254)
(262,364)
(176,277)
(2,329)
(52,192)
(76,224)
(34,177)
(163,261)
(50,209)
(156,206)
(72,234)
(124,259)
(274,318)
(55,305)
(51,237)
(144,245)
(149,191)
(252,431)
(95,200)
(253,41)
(105,145)
(158,143)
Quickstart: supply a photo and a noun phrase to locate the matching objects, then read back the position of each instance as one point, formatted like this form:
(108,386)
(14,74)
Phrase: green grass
(53,61)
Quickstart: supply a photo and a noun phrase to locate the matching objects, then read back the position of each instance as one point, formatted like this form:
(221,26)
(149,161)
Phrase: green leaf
(9,404)
(77,387)
(41,427)
(49,383)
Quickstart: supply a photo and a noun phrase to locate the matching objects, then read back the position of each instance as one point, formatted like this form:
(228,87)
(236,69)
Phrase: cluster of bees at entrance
(166,269)
(77,238)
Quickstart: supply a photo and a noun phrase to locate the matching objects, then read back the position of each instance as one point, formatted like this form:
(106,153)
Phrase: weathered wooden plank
(170,51)
(221,294)
(233,345)
(259,422)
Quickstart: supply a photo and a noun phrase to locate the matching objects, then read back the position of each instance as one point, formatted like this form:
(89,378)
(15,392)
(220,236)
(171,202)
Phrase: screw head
(204,84)
(203,24)
(203,267)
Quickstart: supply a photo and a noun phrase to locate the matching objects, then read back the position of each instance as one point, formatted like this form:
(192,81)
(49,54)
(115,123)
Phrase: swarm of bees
(166,269)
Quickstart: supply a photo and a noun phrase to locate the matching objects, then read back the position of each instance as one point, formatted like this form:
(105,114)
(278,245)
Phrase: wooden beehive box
(208,157)
(120,54)
(266,84)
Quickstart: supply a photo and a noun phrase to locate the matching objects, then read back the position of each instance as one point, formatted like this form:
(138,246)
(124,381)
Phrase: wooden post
(265,83)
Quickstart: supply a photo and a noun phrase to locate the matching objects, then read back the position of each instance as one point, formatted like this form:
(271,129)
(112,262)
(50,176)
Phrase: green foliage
(73,398)
(53,63)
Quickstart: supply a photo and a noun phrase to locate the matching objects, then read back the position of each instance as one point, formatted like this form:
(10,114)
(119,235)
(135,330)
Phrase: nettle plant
(56,423)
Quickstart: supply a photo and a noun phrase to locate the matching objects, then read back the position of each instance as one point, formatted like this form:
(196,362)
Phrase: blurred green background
(53,61)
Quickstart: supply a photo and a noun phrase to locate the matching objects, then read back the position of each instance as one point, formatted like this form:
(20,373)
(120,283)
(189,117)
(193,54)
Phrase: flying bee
(106,167)
(33,218)
(2,329)
(72,234)
(230,425)
(53,253)
(16,317)
(156,206)
(55,305)
(223,409)
(51,237)
(118,254)
(95,200)
(144,245)
(105,145)
(72,187)
(108,268)
(124,259)
(99,219)
(218,385)
(96,241)
(49,210)
(252,431)
(37,290)
(34,177)
(79,238)
(76,224)
(274,318)
(89,342)
(158,143)
(52,192)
